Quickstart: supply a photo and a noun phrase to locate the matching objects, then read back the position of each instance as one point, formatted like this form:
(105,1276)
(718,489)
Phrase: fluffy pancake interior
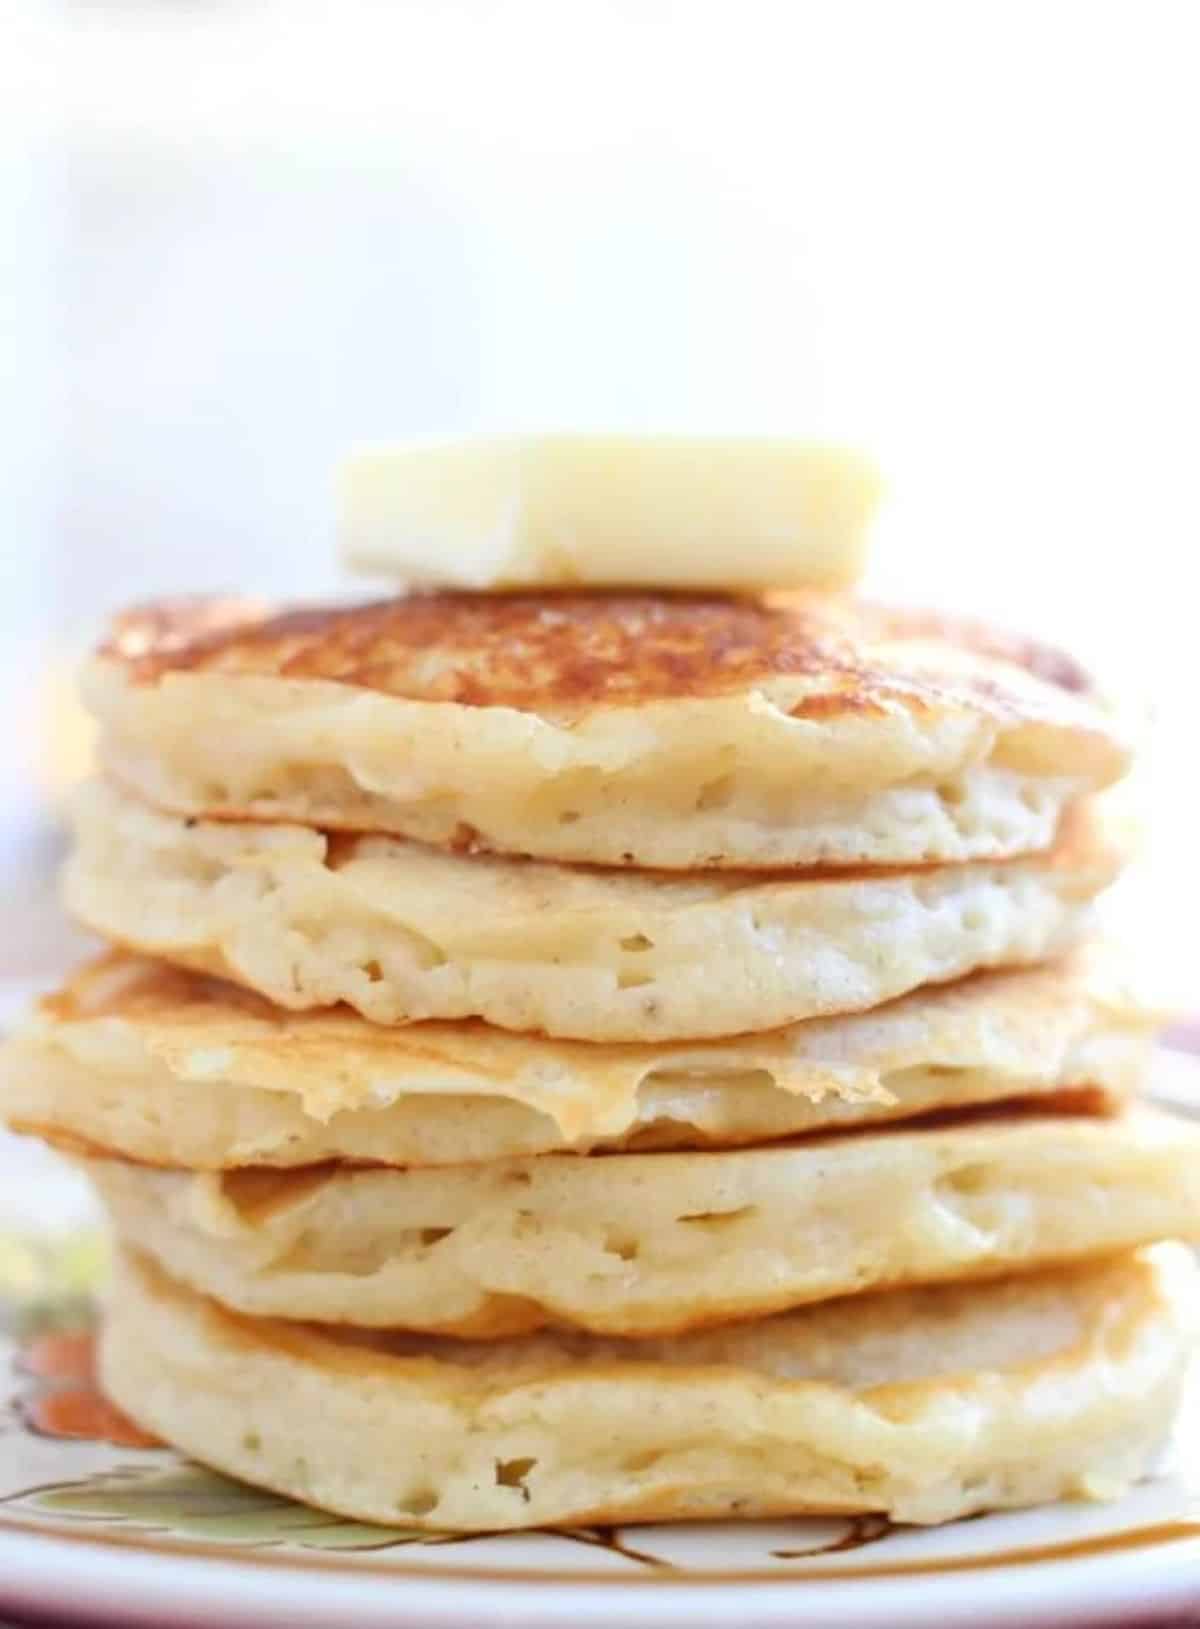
(401,931)
(646,1244)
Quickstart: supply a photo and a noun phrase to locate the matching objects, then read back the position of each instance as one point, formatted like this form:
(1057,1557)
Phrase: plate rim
(240,1591)
(1175,1538)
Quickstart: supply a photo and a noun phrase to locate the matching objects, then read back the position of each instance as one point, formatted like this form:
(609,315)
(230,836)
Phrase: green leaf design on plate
(48,1282)
(192,1502)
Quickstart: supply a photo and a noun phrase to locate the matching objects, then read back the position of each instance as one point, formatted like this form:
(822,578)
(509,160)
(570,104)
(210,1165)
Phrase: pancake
(668,731)
(400,931)
(924,1405)
(657,1244)
(169,1067)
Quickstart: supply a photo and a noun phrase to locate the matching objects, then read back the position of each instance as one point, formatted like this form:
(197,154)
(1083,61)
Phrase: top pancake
(661,730)
(541,653)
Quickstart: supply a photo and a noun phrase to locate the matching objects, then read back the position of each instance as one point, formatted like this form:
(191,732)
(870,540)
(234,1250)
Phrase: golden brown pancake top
(574,650)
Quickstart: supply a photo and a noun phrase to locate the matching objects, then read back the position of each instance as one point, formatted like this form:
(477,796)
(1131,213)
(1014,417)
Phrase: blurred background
(241,235)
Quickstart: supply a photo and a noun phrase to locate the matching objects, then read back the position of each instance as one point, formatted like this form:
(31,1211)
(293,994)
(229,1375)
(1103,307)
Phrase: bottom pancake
(654,1244)
(924,1405)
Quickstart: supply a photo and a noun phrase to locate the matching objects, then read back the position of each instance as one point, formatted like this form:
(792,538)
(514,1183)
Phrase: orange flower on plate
(67,1400)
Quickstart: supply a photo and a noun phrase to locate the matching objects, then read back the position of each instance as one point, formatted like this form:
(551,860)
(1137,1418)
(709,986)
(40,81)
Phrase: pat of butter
(608,510)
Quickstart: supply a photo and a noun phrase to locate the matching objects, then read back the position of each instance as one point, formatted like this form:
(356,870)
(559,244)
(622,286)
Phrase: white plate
(107,1532)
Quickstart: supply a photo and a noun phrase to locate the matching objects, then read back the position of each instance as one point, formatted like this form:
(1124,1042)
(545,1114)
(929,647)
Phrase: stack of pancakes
(607,1056)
